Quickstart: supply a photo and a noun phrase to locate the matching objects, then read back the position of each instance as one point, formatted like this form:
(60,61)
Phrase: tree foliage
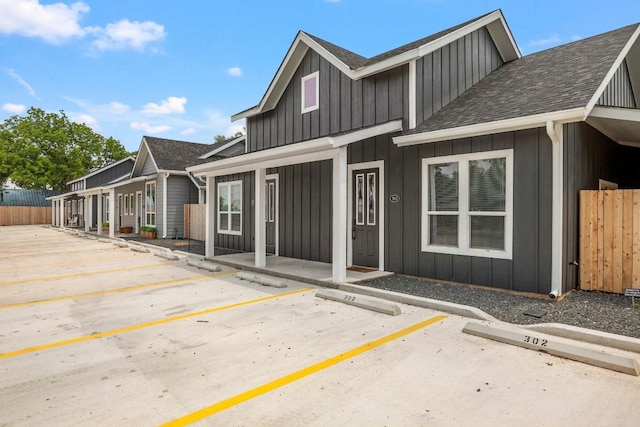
(46,150)
(220,138)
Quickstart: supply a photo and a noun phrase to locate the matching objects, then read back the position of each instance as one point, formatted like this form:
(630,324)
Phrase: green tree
(46,150)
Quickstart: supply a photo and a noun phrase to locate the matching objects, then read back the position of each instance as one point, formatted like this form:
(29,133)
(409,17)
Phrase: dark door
(365,218)
(270,214)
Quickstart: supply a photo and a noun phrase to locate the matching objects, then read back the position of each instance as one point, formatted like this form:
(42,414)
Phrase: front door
(364,231)
(270,215)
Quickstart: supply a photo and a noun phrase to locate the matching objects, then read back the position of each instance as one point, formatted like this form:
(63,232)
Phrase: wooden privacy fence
(25,215)
(194,222)
(609,240)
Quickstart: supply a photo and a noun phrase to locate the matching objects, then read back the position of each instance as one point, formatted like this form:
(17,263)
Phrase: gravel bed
(184,245)
(611,313)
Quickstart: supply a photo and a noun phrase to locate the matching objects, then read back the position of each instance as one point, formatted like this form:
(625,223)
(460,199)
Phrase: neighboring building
(451,158)
(24,207)
(85,204)
(150,190)
(20,197)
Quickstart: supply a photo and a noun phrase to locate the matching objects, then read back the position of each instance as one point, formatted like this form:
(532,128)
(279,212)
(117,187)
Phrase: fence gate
(609,240)
(195,222)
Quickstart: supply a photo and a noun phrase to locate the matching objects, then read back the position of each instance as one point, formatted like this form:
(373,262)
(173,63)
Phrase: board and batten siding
(344,105)
(110,174)
(530,268)
(180,192)
(588,157)
(226,243)
(448,72)
(619,92)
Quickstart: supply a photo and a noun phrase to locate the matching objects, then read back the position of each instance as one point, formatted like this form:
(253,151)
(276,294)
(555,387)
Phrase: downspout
(164,205)
(554,131)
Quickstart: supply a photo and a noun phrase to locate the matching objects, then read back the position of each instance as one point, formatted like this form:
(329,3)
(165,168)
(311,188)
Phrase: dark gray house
(452,157)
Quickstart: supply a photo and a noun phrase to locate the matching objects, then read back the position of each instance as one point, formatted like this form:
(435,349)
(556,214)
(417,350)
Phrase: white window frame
(131,202)
(147,212)
(126,204)
(463,212)
(316,76)
(226,187)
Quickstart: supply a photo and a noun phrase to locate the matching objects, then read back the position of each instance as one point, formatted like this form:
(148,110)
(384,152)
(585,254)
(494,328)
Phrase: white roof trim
(494,21)
(616,113)
(97,171)
(507,125)
(358,135)
(223,147)
(616,64)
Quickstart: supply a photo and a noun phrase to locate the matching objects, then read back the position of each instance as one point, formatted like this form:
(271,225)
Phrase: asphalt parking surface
(95,334)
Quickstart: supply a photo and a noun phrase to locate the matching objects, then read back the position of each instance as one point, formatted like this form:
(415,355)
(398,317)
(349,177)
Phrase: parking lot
(96,334)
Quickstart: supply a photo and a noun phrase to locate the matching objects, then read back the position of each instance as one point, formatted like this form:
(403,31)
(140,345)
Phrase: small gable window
(310,92)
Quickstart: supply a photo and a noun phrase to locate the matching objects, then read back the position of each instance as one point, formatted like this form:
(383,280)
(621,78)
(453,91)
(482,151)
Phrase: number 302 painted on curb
(535,341)
(349,298)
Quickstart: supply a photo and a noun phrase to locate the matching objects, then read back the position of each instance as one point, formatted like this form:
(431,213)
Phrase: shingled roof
(172,154)
(558,79)
(355,61)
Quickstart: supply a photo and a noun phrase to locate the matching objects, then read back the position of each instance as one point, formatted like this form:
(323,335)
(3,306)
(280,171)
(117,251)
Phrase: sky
(180,69)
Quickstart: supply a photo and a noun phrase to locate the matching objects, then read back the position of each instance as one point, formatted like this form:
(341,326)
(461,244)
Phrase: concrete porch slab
(317,273)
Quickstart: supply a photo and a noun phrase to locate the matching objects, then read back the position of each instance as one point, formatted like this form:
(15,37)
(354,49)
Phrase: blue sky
(180,69)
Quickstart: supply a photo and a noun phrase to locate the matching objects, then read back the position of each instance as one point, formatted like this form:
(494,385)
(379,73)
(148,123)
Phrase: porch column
(339,254)
(210,214)
(100,210)
(112,213)
(53,212)
(61,213)
(87,212)
(260,226)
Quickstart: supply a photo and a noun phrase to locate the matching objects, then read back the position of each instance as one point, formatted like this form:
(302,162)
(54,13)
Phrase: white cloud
(126,34)
(171,105)
(53,23)
(234,71)
(87,120)
(111,108)
(15,76)
(14,108)
(189,131)
(234,129)
(554,39)
(149,129)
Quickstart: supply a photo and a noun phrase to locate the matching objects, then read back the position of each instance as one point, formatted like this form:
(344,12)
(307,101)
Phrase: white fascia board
(223,147)
(300,148)
(193,179)
(615,113)
(616,64)
(174,172)
(351,137)
(518,123)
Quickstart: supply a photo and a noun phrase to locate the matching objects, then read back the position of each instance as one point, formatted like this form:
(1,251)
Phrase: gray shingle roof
(354,61)
(171,154)
(557,79)
(20,197)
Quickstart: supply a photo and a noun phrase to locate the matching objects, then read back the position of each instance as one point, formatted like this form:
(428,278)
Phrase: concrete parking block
(261,279)
(203,265)
(555,346)
(380,306)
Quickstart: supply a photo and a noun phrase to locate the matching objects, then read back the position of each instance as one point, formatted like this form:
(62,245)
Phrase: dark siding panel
(411,215)
(345,103)
(481,271)
(356,104)
(325,97)
(394,245)
(437,80)
(326,209)
(368,101)
(427,87)
(305,206)
(397,96)
(420,89)
(619,92)
(461,269)
(335,100)
(315,183)
(442,267)
(382,98)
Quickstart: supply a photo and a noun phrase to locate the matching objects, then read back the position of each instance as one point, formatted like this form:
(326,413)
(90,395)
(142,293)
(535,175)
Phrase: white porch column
(339,254)
(260,226)
(112,213)
(87,212)
(210,213)
(53,212)
(100,210)
(62,213)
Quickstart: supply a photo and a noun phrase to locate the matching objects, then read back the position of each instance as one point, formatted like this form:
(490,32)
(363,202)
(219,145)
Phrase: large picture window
(150,203)
(467,204)
(230,207)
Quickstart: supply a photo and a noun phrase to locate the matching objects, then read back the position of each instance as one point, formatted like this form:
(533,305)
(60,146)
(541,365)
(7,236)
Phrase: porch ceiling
(620,124)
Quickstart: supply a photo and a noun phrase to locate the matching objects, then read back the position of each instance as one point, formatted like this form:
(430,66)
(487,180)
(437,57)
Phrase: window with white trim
(150,203)
(310,92)
(230,207)
(467,204)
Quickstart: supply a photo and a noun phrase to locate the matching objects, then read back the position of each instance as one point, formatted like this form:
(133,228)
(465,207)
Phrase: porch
(313,272)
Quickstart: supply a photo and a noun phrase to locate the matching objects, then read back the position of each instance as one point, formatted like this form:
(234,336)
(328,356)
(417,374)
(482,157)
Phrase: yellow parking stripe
(287,379)
(89,273)
(44,251)
(114,291)
(69,261)
(144,325)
